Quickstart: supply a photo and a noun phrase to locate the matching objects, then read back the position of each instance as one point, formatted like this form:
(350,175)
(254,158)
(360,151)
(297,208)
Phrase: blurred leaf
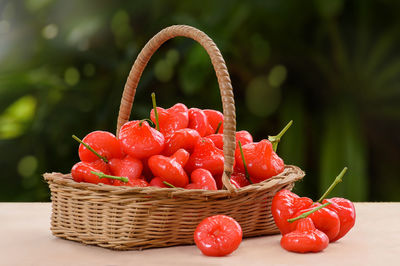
(14,119)
(262,99)
(343,145)
(196,67)
(329,9)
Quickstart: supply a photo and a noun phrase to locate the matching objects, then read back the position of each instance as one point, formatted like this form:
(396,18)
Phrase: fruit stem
(168,184)
(153,99)
(337,180)
(304,215)
(147,120)
(276,139)
(89,148)
(244,163)
(218,127)
(102,175)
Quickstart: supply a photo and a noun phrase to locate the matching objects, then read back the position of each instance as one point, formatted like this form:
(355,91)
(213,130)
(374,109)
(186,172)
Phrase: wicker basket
(126,218)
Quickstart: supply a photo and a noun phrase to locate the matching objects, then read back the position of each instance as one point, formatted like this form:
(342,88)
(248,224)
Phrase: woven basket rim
(290,174)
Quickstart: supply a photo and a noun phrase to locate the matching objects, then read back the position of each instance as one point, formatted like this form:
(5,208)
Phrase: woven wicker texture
(137,218)
(127,218)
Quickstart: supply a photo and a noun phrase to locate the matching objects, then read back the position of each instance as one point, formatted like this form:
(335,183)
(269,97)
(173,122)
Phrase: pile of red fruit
(309,227)
(183,150)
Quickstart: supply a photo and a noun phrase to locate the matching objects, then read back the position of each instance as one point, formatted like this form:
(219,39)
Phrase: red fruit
(306,238)
(244,137)
(181,139)
(284,205)
(104,143)
(181,156)
(346,212)
(198,121)
(126,167)
(81,172)
(139,140)
(146,172)
(133,182)
(214,118)
(218,181)
(169,169)
(193,186)
(262,162)
(171,119)
(324,220)
(206,155)
(218,235)
(239,179)
(157,182)
(101,166)
(235,184)
(202,179)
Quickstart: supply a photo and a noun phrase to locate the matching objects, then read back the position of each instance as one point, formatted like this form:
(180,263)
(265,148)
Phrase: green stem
(276,139)
(89,148)
(337,180)
(304,215)
(218,127)
(168,184)
(153,99)
(148,120)
(244,163)
(102,175)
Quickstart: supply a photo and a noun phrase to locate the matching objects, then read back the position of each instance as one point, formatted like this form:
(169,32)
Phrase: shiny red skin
(324,220)
(284,205)
(104,143)
(239,179)
(81,172)
(206,155)
(133,182)
(202,179)
(218,181)
(235,184)
(172,119)
(262,162)
(140,141)
(181,139)
(198,121)
(169,169)
(181,156)
(306,238)
(218,235)
(157,182)
(244,137)
(346,212)
(101,166)
(193,186)
(126,167)
(214,118)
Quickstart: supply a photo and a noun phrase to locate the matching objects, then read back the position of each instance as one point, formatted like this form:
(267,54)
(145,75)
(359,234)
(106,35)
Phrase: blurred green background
(331,66)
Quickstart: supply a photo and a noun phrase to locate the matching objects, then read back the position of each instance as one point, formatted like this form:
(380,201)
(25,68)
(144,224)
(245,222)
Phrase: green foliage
(331,66)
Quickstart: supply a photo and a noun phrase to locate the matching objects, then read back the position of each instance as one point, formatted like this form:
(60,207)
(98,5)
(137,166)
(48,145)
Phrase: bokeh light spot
(50,31)
(71,76)
(27,166)
(261,98)
(277,75)
(163,70)
(4,26)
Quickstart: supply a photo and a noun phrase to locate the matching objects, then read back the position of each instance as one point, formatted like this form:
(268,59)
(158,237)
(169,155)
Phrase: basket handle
(224,81)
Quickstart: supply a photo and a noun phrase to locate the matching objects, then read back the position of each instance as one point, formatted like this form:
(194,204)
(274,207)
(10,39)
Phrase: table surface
(25,239)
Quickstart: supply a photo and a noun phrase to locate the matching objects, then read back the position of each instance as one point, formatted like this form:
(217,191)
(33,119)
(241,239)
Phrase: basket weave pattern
(137,218)
(126,218)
